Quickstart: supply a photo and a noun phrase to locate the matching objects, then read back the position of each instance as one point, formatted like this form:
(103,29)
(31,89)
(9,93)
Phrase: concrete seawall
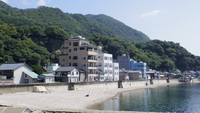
(80,86)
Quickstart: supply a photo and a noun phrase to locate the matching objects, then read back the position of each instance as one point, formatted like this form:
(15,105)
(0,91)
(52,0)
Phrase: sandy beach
(61,100)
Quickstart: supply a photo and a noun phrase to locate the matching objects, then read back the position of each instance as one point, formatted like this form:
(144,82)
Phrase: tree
(37,69)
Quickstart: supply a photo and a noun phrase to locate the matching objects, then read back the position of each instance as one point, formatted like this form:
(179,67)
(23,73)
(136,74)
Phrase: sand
(62,99)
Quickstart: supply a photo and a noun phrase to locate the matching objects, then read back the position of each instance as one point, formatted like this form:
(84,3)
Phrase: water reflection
(178,98)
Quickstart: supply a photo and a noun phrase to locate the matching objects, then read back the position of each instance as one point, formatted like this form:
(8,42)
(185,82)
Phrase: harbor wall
(83,86)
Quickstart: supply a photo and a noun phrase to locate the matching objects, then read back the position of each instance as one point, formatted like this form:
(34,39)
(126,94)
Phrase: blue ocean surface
(182,98)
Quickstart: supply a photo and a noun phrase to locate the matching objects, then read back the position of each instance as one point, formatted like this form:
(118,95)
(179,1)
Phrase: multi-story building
(125,62)
(115,71)
(105,65)
(80,53)
(134,65)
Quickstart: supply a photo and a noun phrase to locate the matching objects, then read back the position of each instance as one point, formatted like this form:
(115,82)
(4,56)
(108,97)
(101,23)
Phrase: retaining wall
(81,86)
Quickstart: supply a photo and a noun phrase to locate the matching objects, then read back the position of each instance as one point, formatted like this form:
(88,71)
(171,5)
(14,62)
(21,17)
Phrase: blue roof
(48,75)
(31,74)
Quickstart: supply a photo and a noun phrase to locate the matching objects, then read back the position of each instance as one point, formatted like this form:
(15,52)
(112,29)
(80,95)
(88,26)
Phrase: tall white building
(115,71)
(105,65)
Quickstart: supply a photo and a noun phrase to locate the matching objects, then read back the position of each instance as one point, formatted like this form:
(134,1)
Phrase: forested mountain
(72,23)
(159,55)
(120,29)
(35,36)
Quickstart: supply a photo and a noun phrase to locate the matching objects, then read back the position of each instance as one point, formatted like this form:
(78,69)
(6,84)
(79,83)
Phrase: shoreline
(73,101)
(131,89)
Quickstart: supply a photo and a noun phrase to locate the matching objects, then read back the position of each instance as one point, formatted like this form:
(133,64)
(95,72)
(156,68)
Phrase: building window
(70,43)
(77,73)
(75,49)
(83,58)
(83,65)
(89,49)
(75,57)
(69,57)
(82,48)
(63,59)
(75,64)
(69,50)
(75,44)
(69,64)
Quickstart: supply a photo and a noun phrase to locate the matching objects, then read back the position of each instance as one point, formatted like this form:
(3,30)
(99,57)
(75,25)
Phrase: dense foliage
(120,29)
(16,44)
(75,24)
(159,55)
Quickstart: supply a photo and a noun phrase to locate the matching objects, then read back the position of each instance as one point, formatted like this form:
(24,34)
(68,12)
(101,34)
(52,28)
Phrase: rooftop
(49,75)
(65,69)
(31,74)
(13,66)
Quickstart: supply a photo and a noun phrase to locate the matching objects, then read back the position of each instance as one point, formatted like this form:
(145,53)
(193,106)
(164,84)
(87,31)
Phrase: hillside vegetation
(35,36)
(75,24)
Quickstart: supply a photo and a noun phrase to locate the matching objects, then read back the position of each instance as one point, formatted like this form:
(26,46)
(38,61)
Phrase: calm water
(183,98)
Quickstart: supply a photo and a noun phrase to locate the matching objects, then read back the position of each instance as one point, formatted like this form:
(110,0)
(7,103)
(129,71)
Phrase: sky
(166,20)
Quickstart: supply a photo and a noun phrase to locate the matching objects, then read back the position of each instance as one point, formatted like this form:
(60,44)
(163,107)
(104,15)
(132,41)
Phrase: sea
(180,98)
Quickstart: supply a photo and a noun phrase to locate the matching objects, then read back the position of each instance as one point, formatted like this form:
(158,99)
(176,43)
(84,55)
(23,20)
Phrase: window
(75,57)
(83,58)
(63,59)
(75,44)
(69,57)
(69,64)
(82,48)
(89,49)
(77,73)
(70,43)
(75,49)
(75,64)
(69,50)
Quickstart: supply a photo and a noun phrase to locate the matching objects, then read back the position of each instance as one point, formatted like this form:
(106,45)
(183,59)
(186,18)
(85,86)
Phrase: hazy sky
(170,20)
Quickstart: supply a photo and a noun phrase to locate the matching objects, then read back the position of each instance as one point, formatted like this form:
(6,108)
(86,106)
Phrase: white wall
(116,71)
(106,65)
(74,76)
(18,74)
(49,79)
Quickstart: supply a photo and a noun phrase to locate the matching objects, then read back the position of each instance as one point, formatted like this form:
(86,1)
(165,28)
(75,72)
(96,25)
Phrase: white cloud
(149,14)
(41,2)
(5,1)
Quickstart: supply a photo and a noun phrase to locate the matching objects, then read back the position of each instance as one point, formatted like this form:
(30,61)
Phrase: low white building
(116,71)
(67,74)
(47,78)
(105,65)
(18,72)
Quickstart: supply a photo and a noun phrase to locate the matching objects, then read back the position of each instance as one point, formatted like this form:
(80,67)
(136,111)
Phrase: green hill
(76,24)
(120,29)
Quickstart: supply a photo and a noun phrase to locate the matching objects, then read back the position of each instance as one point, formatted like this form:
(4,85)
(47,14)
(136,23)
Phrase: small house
(30,77)
(19,73)
(67,74)
(47,78)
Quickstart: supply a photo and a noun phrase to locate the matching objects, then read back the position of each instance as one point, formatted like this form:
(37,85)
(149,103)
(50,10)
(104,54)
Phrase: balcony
(92,74)
(92,53)
(90,59)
